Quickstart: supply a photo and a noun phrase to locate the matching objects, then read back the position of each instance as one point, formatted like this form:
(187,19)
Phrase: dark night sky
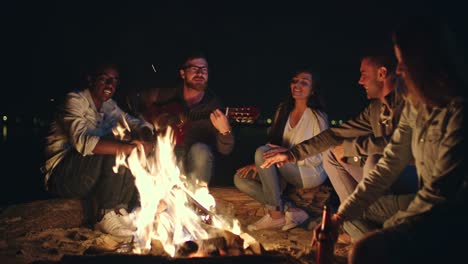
(252,48)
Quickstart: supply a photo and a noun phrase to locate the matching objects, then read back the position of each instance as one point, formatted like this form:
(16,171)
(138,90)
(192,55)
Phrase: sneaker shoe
(294,218)
(111,223)
(267,222)
(125,218)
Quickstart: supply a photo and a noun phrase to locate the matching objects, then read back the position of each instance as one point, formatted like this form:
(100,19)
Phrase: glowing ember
(168,211)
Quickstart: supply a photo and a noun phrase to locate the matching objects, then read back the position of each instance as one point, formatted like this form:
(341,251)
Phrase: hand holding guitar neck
(220,122)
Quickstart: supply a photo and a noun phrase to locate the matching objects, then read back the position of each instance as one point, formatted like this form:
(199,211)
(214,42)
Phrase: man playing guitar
(197,140)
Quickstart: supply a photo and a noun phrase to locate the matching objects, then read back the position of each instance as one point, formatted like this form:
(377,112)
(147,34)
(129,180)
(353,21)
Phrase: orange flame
(165,213)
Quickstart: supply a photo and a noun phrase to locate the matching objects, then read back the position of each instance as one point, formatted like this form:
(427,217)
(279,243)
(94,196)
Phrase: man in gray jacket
(354,147)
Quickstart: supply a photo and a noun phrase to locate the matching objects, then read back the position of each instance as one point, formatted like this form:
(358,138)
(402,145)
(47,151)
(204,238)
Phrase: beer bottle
(325,241)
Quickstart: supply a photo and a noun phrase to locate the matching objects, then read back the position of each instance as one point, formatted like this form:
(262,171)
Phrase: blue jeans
(376,214)
(197,163)
(92,177)
(345,177)
(268,187)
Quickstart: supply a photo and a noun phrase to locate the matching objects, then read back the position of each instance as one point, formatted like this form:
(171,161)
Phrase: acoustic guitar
(175,115)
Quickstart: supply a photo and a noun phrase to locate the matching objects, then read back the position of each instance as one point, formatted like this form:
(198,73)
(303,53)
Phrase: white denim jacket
(80,125)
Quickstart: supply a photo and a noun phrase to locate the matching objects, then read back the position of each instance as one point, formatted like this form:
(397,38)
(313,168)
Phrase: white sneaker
(112,224)
(267,222)
(294,218)
(125,219)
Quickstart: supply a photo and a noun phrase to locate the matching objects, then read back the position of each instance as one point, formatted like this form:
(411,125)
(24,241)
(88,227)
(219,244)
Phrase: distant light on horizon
(269,120)
(5,118)
(52,99)
(4,132)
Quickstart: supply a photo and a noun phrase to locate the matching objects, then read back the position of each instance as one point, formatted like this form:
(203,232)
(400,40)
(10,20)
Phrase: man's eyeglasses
(196,69)
(108,80)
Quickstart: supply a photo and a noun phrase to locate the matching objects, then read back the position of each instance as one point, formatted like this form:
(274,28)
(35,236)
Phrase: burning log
(221,243)
(224,243)
(118,258)
(187,249)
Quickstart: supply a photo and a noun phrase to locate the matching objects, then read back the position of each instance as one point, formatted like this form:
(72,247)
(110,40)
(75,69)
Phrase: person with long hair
(298,118)
(431,131)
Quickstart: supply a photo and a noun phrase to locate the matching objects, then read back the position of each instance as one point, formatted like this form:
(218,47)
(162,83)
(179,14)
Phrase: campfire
(174,216)
(177,223)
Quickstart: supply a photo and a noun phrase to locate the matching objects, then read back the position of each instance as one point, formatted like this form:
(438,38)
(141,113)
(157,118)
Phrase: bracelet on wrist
(226,133)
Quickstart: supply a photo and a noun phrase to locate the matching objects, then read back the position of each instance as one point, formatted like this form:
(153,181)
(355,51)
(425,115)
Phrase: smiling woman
(299,118)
